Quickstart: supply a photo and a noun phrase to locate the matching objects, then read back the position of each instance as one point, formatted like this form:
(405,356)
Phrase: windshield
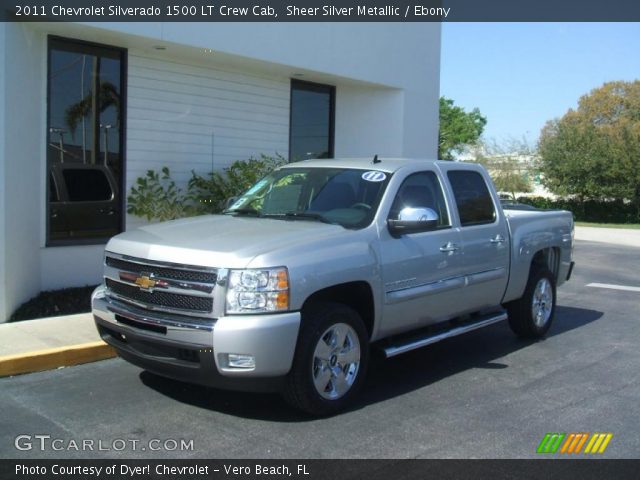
(346,197)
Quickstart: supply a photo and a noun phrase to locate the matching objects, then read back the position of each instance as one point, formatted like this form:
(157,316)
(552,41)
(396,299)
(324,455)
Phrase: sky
(522,74)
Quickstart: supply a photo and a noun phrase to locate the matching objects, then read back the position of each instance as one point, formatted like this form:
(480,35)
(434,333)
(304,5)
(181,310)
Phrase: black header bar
(320,10)
(317,469)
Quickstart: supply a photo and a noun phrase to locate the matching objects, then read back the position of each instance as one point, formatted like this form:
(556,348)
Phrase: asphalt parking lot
(482,395)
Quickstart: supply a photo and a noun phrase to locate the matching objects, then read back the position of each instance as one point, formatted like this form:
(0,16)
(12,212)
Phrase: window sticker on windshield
(374,176)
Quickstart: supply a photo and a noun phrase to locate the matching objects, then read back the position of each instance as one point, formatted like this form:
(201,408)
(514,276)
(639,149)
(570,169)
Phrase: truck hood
(219,240)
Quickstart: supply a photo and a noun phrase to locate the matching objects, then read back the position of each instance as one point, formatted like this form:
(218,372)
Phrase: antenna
(375,159)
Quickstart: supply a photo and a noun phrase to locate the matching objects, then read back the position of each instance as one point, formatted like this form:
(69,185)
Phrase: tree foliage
(457,128)
(508,164)
(594,151)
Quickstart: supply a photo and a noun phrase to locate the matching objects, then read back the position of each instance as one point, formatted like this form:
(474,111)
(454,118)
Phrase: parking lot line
(614,287)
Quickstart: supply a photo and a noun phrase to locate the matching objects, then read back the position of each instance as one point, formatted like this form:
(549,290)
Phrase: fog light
(241,361)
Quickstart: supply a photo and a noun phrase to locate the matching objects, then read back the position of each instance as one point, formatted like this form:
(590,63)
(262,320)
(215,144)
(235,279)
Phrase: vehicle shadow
(393,377)
(387,378)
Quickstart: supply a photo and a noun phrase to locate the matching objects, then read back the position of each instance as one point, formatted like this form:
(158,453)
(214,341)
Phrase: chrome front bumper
(197,350)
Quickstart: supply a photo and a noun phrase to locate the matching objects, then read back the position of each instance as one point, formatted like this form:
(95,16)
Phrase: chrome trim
(166,285)
(172,286)
(158,319)
(449,247)
(400,295)
(159,308)
(498,239)
(158,263)
(486,276)
(423,342)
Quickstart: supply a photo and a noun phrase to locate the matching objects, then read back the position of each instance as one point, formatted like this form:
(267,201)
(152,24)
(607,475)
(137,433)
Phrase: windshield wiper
(304,216)
(242,211)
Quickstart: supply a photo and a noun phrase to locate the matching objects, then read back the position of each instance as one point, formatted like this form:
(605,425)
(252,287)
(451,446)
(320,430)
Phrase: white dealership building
(86,108)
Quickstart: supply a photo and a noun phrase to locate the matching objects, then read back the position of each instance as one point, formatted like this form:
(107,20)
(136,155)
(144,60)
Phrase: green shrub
(156,196)
(210,192)
(598,211)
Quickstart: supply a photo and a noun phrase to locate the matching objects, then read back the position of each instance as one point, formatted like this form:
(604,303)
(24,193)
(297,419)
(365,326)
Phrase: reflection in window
(473,199)
(85,141)
(312,116)
(421,190)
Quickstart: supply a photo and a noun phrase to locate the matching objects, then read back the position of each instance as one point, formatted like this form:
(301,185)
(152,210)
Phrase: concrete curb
(51,358)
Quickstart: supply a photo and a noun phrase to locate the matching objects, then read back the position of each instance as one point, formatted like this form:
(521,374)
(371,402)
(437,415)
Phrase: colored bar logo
(574,442)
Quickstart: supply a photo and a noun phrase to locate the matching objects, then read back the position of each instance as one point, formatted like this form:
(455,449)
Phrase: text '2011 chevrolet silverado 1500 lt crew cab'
(321,261)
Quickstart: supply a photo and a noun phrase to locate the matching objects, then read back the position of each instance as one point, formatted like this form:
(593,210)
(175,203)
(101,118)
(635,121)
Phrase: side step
(418,342)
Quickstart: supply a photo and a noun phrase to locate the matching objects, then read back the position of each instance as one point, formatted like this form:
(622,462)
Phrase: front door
(421,271)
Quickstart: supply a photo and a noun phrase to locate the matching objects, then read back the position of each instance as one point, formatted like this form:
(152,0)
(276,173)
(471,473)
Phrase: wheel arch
(357,295)
(548,257)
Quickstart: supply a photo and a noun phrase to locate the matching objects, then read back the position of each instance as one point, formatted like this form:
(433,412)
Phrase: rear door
(485,238)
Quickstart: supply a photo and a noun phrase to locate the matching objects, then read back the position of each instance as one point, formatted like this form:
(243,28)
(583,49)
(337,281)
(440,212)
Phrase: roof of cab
(384,164)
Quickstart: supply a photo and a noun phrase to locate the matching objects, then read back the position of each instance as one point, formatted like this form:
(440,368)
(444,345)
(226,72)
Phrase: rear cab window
(473,198)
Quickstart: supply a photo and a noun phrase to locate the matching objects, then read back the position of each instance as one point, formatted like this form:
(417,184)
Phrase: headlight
(258,290)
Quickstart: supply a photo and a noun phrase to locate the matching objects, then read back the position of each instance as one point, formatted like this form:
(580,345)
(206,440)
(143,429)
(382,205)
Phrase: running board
(413,343)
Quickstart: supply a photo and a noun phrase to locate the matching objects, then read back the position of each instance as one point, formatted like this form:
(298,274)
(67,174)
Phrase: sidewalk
(619,236)
(45,344)
(49,343)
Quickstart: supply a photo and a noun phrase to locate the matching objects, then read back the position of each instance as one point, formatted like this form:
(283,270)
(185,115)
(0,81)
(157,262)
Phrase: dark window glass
(421,190)
(312,117)
(473,199)
(87,185)
(85,130)
(53,189)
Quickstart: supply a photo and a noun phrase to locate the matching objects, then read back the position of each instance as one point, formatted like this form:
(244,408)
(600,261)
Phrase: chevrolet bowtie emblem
(145,282)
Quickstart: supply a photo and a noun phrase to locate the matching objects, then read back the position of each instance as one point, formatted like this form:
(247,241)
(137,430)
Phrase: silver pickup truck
(320,262)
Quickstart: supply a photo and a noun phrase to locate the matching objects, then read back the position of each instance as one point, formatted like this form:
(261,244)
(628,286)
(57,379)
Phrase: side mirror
(413,220)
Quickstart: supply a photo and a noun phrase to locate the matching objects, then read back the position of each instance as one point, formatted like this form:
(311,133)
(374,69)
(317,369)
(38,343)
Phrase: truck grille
(161,299)
(176,289)
(164,272)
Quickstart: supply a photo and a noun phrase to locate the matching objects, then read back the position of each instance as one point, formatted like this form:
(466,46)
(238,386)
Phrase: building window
(85,142)
(312,120)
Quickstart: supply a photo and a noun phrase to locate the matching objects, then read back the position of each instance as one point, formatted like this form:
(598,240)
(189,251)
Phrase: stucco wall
(3,252)
(23,147)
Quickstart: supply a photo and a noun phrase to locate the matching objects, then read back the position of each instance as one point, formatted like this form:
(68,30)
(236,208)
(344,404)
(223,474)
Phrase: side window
(87,185)
(312,119)
(422,190)
(473,199)
(86,112)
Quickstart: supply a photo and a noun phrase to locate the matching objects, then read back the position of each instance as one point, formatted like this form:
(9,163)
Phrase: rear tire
(531,315)
(330,362)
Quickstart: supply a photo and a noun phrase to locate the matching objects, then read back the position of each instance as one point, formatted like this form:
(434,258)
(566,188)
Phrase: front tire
(531,315)
(330,362)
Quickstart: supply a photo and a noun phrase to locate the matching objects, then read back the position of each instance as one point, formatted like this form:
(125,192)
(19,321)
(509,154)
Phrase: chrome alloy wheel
(336,361)
(542,302)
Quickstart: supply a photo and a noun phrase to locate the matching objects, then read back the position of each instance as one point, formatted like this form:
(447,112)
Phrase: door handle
(497,239)
(449,247)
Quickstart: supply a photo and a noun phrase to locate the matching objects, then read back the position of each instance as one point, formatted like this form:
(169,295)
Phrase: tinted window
(311,121)
(53,189)
(473,199)
(87,185)
(421,190)
(85,128)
